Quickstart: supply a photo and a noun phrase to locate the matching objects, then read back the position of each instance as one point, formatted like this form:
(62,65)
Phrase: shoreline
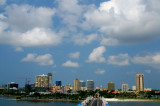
(130,100)
(78,101)
(46,100)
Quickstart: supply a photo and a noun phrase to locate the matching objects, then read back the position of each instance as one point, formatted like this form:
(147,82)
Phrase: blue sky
(96,40)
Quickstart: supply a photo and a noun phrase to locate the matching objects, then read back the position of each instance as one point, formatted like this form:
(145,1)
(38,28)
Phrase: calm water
(30,103)
(134,103)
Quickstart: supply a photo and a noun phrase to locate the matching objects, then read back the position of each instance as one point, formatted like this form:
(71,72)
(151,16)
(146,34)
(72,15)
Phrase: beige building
(110,86)
(76,85)
(44,81)
(140,82)
(124,87)
(68,87)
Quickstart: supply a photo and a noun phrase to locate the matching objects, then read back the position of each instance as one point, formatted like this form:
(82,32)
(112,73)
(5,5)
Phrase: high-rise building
(124,87)
(58,83)
(82,83)
(110,86)
(76,85)
(140,82)
(12,85)
(50,79)
(43,81)
(90,85)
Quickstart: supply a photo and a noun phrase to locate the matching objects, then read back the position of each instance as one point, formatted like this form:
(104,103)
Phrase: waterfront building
(50,80)
(44,81)
(133,88)
(84,88)
(58,83)
(124,87)
(90,85)
(110,86)
(140,82)
(68,87)
(76,85)
(147,89)
(12,85)
(82,83)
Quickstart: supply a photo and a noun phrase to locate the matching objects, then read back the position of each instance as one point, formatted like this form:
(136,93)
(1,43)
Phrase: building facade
(110,86)
(58,83)
(12,85)
(50,80)
(44,81)
(76,85)
(124,87)
(90,85)
(139,82)
(82,83)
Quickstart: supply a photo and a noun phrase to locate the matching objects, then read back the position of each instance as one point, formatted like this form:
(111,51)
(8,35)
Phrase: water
(152,103)
(29,103)
(52,103)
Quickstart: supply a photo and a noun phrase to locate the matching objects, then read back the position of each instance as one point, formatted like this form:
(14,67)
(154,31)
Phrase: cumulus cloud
(74,55)
(34,37)
(3,23)
(26,25)
(97,55)
(70,64)
(152,60)
(125,22)
(81,40)
(43,60)
(100,71)
(26,17)
(2,2)
(121,60)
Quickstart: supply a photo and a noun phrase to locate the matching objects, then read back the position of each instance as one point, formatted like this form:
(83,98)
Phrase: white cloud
(19,49)
(3,23)
(100,71)
(126,22)
(70,64)
(74,55)
(152,60)
(121,60)
(97,55)
(43,60)
(148,71)
(81,40)
(26,25)
(2,2)
(25,17)
(34,37)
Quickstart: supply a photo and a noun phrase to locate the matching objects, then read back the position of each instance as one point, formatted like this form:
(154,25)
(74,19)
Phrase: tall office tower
(58,83)
(124,87)
(50,79)
(140,82)
(44,81)
(82,83)
(90,85)
(76,85)
(110,86)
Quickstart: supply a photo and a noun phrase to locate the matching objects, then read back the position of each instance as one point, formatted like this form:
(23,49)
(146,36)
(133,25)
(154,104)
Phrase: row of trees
(80,95)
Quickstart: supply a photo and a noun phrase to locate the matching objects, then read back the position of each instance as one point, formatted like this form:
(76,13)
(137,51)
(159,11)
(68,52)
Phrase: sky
(100,40)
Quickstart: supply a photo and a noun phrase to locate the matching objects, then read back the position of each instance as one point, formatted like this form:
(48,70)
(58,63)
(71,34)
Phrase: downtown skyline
(104,41)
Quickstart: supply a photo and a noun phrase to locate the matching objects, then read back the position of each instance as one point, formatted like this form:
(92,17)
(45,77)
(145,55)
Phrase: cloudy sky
(96,40)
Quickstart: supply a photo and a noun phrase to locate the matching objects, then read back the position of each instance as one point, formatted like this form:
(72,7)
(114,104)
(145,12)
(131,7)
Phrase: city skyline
(100,40)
